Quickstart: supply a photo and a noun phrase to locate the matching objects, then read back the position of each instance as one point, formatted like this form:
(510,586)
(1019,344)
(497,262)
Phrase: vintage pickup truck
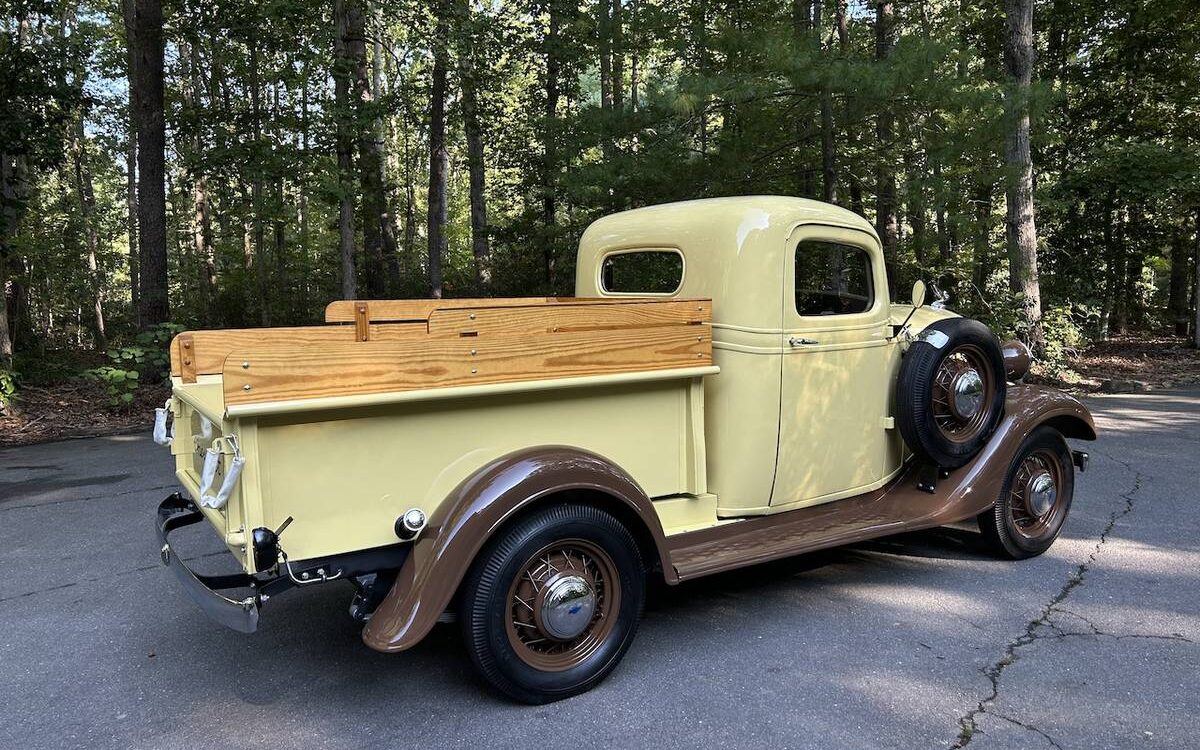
(731,384)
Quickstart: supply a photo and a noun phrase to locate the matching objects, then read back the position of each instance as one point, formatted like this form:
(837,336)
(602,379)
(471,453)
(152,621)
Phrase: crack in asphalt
(968,724)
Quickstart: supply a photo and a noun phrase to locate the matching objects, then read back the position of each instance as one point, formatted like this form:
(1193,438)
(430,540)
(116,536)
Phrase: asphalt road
(918,641)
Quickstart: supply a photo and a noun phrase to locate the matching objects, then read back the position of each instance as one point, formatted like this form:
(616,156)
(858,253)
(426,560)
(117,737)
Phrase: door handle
(798,341)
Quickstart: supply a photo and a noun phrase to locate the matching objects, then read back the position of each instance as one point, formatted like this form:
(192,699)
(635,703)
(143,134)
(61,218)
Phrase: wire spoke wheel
(562,604)
(1034,497)
(963,386)
(949,395)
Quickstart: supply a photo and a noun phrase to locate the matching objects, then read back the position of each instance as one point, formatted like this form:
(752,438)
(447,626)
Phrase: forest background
(217,163)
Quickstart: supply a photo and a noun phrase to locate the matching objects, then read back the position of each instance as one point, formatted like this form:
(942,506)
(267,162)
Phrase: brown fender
(476,508)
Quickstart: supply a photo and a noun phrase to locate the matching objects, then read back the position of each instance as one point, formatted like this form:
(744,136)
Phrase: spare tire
(950,392)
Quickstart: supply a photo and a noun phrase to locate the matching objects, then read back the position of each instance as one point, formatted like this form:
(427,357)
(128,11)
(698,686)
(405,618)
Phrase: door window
(832,279)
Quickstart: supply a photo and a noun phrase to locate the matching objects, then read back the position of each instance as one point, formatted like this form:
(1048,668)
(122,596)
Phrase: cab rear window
(642,272)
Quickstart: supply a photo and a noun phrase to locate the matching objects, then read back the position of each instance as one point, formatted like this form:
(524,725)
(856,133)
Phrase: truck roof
(733,248)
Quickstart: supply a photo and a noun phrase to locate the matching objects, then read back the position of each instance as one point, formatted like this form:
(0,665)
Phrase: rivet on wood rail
(473,352)
(245,365)
(474,372)
(471,316)
(187,345)
(187,361)
(246,387)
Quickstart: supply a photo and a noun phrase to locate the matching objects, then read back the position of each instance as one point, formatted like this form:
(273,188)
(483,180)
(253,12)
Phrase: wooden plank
(343,311)
(516,321)
(211,348)
(383,367)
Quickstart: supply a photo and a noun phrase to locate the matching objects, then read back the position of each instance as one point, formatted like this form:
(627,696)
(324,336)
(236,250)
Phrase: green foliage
(8,388)
(731,99)
(146,360)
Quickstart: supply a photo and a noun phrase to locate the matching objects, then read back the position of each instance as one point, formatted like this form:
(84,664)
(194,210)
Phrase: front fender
(475,509)
(974,488)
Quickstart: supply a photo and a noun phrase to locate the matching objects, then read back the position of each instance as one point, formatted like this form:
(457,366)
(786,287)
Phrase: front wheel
(1035,498)
(552,603)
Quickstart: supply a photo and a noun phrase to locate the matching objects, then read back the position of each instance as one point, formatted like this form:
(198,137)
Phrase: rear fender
(477,508)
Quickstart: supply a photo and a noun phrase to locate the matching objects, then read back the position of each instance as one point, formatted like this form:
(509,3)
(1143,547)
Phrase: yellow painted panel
(346,475)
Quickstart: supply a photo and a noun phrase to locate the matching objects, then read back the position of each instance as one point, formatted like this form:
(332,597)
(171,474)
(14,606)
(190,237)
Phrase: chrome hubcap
(567,606)
(1041,493)
(967,391)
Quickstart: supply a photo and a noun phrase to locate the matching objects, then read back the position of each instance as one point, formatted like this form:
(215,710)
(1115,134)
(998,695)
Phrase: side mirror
(918,294)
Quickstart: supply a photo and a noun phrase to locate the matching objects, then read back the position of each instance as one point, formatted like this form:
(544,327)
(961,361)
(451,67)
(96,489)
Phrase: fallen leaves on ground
(77,408)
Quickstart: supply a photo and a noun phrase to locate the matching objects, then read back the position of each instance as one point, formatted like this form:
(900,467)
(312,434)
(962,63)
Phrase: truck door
(837,367)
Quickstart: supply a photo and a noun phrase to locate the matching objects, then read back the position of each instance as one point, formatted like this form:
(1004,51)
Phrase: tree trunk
(983,215)
(1177,299)
(1196,288)
(828,146)
(342,75)
(387,224)
(939,214)
(604,48)
(131,215)
(87,207)
(439,159)
(1021,230)
(256,188)
(370,152)
(886,222)
(618,56)
(475,155)
(634,41)
(201,223)
(549,142)
(8,228)
(146,90)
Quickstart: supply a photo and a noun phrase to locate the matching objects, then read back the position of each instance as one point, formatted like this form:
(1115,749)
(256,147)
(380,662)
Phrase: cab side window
(832,279)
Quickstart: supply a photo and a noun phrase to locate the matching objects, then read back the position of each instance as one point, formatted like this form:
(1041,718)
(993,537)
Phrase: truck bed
(345,426)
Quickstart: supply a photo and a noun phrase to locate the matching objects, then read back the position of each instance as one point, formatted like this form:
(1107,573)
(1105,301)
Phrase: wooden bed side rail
(204,352)
(350,311)
(257,375)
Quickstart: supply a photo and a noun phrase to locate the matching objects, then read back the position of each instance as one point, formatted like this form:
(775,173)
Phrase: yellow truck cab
(732,383)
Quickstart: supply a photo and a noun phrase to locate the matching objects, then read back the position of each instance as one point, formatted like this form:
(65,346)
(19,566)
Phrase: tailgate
(199,425)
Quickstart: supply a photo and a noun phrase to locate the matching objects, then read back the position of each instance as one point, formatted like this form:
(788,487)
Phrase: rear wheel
(551,605)
(1035,499)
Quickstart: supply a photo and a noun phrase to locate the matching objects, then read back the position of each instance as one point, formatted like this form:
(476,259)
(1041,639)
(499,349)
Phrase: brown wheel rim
(1035,497)
(563,604)
(963,389)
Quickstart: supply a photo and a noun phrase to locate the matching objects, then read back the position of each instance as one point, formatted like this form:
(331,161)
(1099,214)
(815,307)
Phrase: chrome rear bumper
(241,615)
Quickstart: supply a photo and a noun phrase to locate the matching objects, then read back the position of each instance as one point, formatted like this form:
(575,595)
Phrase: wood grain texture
(342,311)
(211,348)
(351,368)
(516,321)
(187,357)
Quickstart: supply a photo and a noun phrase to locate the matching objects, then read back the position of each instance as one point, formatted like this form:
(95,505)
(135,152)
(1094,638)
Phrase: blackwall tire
(520,636)
(950,392)
(1018,526)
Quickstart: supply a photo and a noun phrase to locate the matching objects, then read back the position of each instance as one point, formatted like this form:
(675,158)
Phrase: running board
(901,505)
